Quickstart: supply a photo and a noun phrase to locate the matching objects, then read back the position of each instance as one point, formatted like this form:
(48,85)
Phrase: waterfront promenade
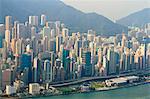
(86,79)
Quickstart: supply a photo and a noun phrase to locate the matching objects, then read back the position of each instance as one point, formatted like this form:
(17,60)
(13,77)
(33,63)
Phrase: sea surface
(136,92)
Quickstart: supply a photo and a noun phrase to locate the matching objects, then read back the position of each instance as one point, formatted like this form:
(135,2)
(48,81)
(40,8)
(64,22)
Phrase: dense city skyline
(53,49)
(45,53)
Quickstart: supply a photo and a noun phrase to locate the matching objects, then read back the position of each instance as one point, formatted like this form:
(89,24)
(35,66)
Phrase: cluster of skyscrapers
(47,52)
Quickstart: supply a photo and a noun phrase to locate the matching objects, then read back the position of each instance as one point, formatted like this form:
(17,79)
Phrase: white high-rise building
(105,65)
(35,69)
(33,20)
(43,20)
(10,90)
(47,71)
(34,88)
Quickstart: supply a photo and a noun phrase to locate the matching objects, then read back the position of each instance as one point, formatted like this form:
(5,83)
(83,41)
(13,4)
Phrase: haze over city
(112,9)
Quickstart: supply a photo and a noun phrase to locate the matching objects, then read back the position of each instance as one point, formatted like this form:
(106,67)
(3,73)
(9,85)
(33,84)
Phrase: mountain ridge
(138,18)
(56,10)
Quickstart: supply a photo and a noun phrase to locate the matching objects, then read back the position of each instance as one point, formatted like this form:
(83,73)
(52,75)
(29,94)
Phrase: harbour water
(135,92)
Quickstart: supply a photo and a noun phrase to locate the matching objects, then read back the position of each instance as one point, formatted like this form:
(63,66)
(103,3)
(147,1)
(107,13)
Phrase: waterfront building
(19,85)
(6,78)
(25,76)
(10,90)
(34,88)
(121,80)
(80,72)
(62,74)
(48,71)
(85,88)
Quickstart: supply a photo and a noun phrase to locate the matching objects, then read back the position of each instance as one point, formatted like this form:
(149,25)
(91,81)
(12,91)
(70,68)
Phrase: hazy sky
(112,9)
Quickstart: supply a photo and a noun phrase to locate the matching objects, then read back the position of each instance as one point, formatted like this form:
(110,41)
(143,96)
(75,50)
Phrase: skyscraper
(25,62)
(36,70)
(18,47)
(6,77)
(65,33)
(127,60)
(7,37)
(47,71)
(13,45)
(45,43)
(23,31)
(43,20)
(78,45)
(123,40)
(52,45)
(8,22)
(33,31)
(33,20)
(59,41)
(66,61)
(111,57)
(105,66)
(46,32)
(86,60)
(1,41)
